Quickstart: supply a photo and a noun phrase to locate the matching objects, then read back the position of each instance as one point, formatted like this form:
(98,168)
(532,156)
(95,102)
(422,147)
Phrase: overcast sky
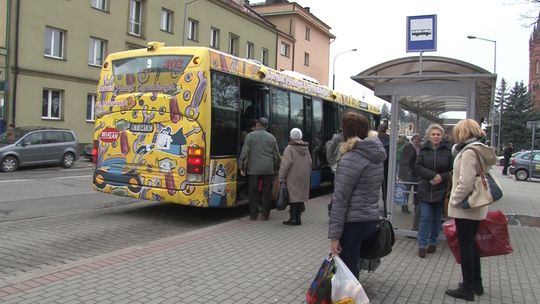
(377,29)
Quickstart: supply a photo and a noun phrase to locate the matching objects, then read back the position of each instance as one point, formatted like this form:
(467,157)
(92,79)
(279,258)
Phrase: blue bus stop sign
(422,33)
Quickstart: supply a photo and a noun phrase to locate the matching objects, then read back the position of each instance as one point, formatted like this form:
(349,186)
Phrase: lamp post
(500,106)
(186,3)
(334,66)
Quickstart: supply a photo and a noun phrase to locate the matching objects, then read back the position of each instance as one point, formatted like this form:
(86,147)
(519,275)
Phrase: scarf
(458,147)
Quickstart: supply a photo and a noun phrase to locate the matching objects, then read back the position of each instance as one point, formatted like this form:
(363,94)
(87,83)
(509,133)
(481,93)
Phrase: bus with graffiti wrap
(170,122)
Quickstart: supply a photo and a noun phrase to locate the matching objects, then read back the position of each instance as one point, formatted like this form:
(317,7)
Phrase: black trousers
(351,243)
(266,195)
(506,165)
(470,259)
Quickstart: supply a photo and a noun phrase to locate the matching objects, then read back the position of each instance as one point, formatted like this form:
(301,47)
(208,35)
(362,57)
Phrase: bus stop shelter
(423,90)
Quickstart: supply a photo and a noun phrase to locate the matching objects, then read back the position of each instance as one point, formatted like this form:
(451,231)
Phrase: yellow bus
(170,122)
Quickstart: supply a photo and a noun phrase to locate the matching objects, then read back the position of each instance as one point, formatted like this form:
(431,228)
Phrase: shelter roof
(416,72)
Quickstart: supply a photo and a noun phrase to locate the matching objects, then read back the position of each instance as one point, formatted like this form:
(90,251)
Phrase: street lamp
(186,3)
(493,110)
(334,66)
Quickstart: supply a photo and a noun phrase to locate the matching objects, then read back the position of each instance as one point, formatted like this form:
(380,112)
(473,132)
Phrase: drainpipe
(6,64)
(16,74)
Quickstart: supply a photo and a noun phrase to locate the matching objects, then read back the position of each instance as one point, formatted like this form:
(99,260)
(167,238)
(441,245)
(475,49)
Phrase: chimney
(307,8)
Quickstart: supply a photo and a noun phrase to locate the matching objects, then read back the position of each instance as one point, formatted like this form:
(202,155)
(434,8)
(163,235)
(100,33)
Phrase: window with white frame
(52,104)
(193,30)
(250,50)
(99,4)
(90,102)
(308,33)
(135,17)
(166,20)
(284,49)
(306,59)
(54,42)
(96,51)
(214,37)
(264,56)
(233,45)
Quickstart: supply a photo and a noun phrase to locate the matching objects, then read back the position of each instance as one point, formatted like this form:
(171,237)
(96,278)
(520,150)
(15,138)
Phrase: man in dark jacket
(406,170)
(260,160)
(385,140)
(508,151)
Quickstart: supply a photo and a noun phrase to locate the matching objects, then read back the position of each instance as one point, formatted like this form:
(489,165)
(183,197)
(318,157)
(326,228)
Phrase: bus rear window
(151,64)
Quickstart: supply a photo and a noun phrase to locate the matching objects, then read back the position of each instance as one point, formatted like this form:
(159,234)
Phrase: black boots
(461,292)
(295,215)
(478,288)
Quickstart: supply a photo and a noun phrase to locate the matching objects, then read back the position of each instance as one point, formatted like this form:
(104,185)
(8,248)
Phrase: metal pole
(334,67)
(492,110)
(532,151)
(500,123)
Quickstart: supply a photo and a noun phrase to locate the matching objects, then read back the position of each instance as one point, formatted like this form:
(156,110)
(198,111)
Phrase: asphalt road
(50,216)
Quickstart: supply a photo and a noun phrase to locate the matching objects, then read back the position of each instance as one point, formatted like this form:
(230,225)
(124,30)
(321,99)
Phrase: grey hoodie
(357,184)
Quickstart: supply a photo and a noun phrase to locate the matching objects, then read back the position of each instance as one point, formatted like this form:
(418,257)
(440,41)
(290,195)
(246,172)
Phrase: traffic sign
(533,123)
(422,33)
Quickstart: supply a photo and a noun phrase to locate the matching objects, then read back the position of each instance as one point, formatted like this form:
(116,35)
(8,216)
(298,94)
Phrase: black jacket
(429,163)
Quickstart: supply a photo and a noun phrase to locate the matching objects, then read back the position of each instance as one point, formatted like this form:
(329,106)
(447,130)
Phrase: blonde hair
(434,126)
(466,129)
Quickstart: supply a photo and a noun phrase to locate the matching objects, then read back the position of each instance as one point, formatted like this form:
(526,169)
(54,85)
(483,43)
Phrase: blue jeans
(430,223)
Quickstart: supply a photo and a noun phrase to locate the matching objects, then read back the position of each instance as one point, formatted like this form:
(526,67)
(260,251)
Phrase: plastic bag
(401,195)
(319,290)
(283,197)
(345,287)
(492,236)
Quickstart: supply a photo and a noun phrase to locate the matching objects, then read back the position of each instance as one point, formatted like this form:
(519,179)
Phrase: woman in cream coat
(468,135)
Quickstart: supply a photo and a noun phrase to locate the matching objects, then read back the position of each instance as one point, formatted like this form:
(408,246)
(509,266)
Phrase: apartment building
(303,39)
(51,51)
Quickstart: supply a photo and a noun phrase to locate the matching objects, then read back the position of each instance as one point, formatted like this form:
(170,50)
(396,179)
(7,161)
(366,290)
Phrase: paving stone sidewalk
(242,261)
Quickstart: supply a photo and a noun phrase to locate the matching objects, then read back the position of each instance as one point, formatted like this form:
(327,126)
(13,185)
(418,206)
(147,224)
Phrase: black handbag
(380,243)
(283,197)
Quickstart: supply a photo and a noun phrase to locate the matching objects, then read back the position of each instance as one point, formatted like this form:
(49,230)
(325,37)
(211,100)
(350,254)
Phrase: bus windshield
(151,64)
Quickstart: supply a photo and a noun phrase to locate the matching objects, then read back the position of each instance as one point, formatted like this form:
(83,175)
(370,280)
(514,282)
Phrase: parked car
(28,146)
(520,165)
(87,151)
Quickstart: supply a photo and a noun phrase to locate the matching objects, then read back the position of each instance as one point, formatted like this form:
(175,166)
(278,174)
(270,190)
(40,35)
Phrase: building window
(214,38)
(193,30)
(306,59)
(135,17)
(166,20)
(537,68)
(99,4)
(90,102)
(264,56)
(52,103)
(308,32)
(250,50)
(54,42)
(233,45)
(284,49)
(96,51)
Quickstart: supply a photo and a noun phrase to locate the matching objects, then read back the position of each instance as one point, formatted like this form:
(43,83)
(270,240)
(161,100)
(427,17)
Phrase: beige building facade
(53,49)
(304,46)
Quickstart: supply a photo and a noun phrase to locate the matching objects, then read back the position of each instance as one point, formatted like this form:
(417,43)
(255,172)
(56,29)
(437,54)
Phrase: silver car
(29,146)
(520,165)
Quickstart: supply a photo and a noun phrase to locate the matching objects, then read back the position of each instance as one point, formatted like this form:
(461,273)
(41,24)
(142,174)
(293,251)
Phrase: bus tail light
(195,164)
(95,151)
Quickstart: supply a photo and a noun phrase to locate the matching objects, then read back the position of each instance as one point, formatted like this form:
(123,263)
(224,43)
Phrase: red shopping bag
(492,237)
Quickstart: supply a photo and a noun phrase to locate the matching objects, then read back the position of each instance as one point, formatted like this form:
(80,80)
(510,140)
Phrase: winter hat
(296,134)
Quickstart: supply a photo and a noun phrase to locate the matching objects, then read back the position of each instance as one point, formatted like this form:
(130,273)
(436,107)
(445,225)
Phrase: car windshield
(11,136)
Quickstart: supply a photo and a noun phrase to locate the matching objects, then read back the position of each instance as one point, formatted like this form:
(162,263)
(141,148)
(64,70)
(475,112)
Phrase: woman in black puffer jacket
(433,166)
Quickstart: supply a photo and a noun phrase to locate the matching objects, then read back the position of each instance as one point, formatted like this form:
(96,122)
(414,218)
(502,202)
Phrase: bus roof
(251,69)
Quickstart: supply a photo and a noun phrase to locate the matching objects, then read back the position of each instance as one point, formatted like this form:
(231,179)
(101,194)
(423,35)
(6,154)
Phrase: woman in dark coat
(433,166)
(355,203)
